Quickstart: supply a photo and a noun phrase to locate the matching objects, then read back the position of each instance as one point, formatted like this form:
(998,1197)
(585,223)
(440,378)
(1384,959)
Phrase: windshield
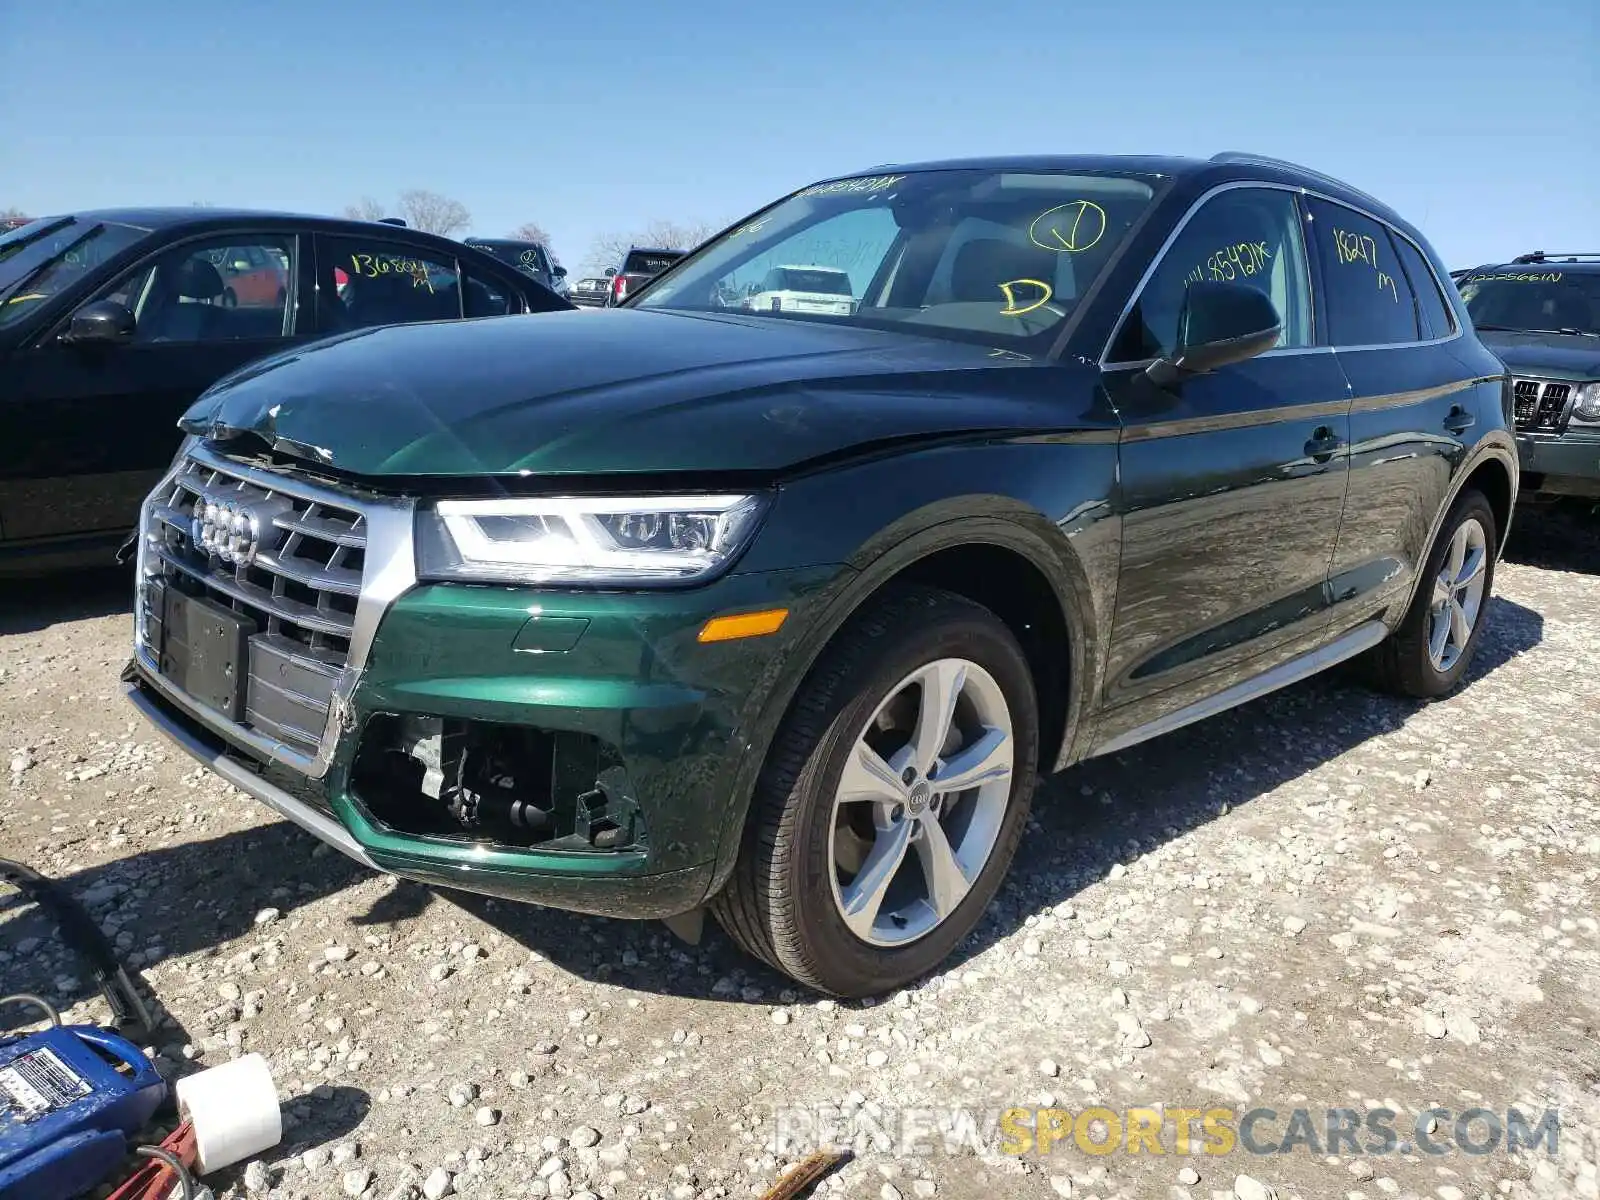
(642,262)
(50,256)
(525,256)
(967,254)
(1534,299)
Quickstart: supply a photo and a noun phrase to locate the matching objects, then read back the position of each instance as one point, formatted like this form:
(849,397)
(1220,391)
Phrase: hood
(1562,355)
(619,392)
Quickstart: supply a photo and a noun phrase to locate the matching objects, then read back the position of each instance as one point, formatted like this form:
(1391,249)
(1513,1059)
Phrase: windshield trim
(47,226)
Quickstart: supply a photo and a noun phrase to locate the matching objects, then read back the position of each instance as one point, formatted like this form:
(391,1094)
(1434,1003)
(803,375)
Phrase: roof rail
(1264,160)
(1556,255)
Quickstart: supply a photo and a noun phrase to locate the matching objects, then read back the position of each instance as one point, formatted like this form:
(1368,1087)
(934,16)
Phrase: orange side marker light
(743,625)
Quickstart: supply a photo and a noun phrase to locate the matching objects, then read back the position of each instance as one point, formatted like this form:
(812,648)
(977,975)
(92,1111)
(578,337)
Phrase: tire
(229,299)
(1405,663)
(785,901)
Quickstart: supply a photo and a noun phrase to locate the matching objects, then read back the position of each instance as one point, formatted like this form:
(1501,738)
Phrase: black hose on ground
(80,932)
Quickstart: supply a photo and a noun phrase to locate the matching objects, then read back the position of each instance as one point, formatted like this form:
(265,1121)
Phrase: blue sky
(1474,119)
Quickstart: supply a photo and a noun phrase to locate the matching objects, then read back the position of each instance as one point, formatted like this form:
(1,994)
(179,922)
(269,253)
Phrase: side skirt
(1360,639)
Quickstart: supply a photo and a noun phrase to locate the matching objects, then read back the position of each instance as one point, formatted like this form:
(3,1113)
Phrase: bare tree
(608,249)
(366,209)
(433,213)
(13,214)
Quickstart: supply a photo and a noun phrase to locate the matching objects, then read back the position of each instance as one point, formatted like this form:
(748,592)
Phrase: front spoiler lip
(319,825)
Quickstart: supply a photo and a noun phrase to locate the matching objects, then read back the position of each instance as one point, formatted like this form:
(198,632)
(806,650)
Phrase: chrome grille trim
(339,641)
(1542,405)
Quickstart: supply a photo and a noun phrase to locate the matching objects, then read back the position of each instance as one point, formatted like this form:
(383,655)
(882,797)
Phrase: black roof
(154,218)
(1219,168)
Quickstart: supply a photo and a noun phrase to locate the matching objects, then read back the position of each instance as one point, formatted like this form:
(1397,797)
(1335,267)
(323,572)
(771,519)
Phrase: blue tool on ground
(72,1098)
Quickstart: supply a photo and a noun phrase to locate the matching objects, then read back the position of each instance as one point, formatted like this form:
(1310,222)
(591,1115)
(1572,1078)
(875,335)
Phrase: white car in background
(803,289)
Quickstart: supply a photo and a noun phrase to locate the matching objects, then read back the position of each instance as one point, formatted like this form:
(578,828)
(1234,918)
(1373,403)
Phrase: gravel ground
(1328,899)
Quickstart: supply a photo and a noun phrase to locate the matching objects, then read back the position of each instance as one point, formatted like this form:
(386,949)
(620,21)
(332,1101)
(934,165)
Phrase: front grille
(1541,405)
(288,563)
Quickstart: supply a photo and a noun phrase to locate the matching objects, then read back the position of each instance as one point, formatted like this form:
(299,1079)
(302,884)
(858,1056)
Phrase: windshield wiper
(1565,329)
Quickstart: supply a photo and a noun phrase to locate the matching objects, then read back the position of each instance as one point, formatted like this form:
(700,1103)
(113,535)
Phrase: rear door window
(1369,300)
(365,282)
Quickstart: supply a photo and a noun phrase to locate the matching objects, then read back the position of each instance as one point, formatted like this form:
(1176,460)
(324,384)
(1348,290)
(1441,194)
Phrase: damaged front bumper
(581,751)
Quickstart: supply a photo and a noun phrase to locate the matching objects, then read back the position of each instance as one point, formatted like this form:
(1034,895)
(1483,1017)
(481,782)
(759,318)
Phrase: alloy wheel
(921,802)
(1458,595)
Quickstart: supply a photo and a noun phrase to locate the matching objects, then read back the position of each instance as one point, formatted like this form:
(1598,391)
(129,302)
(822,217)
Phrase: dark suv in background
(1541,314)
(531,258)
(639,267)
(780,614)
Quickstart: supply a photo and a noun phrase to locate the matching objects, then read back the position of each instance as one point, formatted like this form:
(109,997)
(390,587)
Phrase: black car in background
(593,291)
(639,266)
(1540,314)
(113,322)
(531,258)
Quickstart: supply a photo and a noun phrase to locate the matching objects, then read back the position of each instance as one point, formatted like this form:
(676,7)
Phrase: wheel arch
(1492,468)
(1018,565)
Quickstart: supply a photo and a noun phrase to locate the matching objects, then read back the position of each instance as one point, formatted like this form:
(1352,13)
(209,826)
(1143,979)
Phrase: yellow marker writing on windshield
(1012,309)
(1069,228)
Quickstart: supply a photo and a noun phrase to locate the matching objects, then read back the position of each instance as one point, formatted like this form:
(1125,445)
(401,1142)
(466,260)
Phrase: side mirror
(1220,324)
(559,272)
(105,322)
(610,271)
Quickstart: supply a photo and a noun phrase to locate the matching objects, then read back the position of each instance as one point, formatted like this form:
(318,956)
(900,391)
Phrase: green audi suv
(779,615)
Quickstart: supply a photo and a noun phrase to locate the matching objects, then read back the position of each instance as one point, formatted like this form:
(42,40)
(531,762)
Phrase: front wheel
(1432,647)
(892,799)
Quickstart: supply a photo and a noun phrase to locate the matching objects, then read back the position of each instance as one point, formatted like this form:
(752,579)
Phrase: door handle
(1324,444)
(1459,420)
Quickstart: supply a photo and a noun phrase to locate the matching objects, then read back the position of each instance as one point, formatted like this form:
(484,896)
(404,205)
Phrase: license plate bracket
(204,650)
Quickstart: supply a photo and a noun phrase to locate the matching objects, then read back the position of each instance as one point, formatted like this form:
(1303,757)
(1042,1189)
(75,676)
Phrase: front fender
(1059,520)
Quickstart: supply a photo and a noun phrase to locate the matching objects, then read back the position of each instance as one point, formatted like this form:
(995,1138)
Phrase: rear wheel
(1432,648)
(892,799)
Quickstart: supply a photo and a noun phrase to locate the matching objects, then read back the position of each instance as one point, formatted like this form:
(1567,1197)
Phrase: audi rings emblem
(227,529)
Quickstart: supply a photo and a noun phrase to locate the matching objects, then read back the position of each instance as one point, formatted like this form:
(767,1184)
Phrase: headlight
(1588,406)
(601,540)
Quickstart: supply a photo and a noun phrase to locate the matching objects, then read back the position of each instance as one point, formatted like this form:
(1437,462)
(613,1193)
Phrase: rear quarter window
(1433,311)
